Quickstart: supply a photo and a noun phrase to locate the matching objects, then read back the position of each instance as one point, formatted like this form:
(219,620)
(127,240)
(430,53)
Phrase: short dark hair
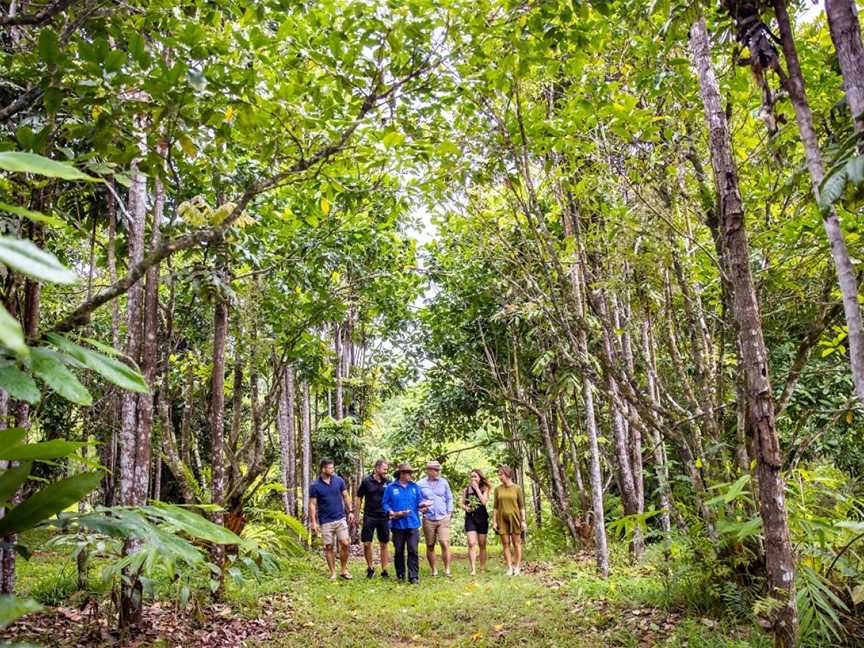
(324,462)
(380,462)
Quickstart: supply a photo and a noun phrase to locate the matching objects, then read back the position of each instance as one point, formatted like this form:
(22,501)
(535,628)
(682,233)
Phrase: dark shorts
(371,526)
(478,524)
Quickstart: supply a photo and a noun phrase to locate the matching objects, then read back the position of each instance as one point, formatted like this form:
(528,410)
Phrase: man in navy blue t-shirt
(328,502)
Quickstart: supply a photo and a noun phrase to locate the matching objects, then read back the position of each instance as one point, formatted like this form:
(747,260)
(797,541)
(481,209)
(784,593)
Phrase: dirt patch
(205,627)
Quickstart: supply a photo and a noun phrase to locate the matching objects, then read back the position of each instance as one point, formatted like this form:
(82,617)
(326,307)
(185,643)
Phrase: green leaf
(10,438)
(50,500)
(53,449)
(49,366)
(832,188)
(20,385)
(49,51)
(111,369)
(29,214)
(25,257)
(192,523)
(11,479)
(22,162)
(855,170)
(12,607)
(11,334)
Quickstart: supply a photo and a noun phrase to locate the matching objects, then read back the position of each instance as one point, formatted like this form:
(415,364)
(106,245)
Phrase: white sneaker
(509,571)
(516,571)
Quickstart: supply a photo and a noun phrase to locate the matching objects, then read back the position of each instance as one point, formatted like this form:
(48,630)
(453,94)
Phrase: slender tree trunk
(659,451)
(306,451)
(286,441)
(846,35)
(559,486)
(132,491)
(109,483)
(846,277)
(337,369)
(217,427)
(778,549)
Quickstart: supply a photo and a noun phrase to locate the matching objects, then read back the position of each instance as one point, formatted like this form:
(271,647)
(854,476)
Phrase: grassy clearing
(557,602)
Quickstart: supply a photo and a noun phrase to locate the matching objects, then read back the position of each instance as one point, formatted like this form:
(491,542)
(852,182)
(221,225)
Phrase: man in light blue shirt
(436,520)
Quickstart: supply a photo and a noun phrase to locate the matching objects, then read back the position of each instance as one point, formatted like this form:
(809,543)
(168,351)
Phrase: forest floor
(555,602)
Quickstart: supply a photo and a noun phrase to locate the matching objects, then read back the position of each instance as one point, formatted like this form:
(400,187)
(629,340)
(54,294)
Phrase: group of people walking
(400,508)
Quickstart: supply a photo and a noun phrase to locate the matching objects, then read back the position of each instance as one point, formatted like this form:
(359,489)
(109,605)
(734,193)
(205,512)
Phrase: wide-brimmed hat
(433,464)
(404,467)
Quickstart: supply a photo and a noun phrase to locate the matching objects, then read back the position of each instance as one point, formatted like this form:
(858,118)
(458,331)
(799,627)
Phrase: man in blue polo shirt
(403,502)
(328,502)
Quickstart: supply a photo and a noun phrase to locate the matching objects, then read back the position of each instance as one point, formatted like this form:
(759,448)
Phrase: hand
(316,529)
(351,518)
(524,526)
(393,515)
(494,526)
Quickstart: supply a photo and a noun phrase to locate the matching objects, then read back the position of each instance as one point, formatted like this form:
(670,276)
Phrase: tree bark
(132,491)
(846,35)
(846,276)
(217,427)
(306,451)
(778,550)
(286,441)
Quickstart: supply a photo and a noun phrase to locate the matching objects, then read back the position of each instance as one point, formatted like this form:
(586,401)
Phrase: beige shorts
(436,531)
(337,530)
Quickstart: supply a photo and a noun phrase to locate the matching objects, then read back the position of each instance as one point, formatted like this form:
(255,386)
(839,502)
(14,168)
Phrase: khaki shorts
(436,531)
(337,530)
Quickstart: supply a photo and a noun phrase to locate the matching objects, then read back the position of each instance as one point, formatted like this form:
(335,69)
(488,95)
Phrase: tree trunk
(133,492)
(846,277)
(846,35)
(778,550)
(339,414)
(110,455)
(217,428)
(659,452)
(306,451)
(286,441)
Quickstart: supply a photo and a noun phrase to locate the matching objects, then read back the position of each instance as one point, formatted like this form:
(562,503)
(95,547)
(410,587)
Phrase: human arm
(495,510)
(465,495)
(346,499)
(482,495)
(523,516)
(448,498)
(313,514)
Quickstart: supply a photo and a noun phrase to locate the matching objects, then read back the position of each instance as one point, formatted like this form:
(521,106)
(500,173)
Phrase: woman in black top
(476,518)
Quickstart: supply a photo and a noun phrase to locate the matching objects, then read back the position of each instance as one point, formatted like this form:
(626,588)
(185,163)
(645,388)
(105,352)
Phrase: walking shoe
(516,571)
(509,571)
(370,572)
(384,574)
(448,574)
(414,581)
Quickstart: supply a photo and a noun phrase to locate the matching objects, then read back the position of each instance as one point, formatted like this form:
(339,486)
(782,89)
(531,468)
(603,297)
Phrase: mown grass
(558,602)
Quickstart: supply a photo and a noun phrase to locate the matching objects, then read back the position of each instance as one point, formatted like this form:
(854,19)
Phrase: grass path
(548,605)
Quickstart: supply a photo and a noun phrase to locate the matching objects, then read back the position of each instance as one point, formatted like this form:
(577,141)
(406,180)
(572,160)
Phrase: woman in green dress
(508,518)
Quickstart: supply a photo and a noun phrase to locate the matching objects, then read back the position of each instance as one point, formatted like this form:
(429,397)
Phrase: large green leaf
(49,501)
(11,334)
(27,258)
(53,449)
(22,162)
(832,188)
(192,523)
(20,385)
(29,214)
(11,479)
(109,368)
(10,438)
(49,366)
(12,607)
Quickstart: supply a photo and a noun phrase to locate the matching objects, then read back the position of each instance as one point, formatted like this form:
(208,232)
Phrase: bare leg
(505,542)
(445,555)
(481,541)
(517,550)
(385,557)
(430,556)
(344,546)
(367,553)
(331,560)
(472,548)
